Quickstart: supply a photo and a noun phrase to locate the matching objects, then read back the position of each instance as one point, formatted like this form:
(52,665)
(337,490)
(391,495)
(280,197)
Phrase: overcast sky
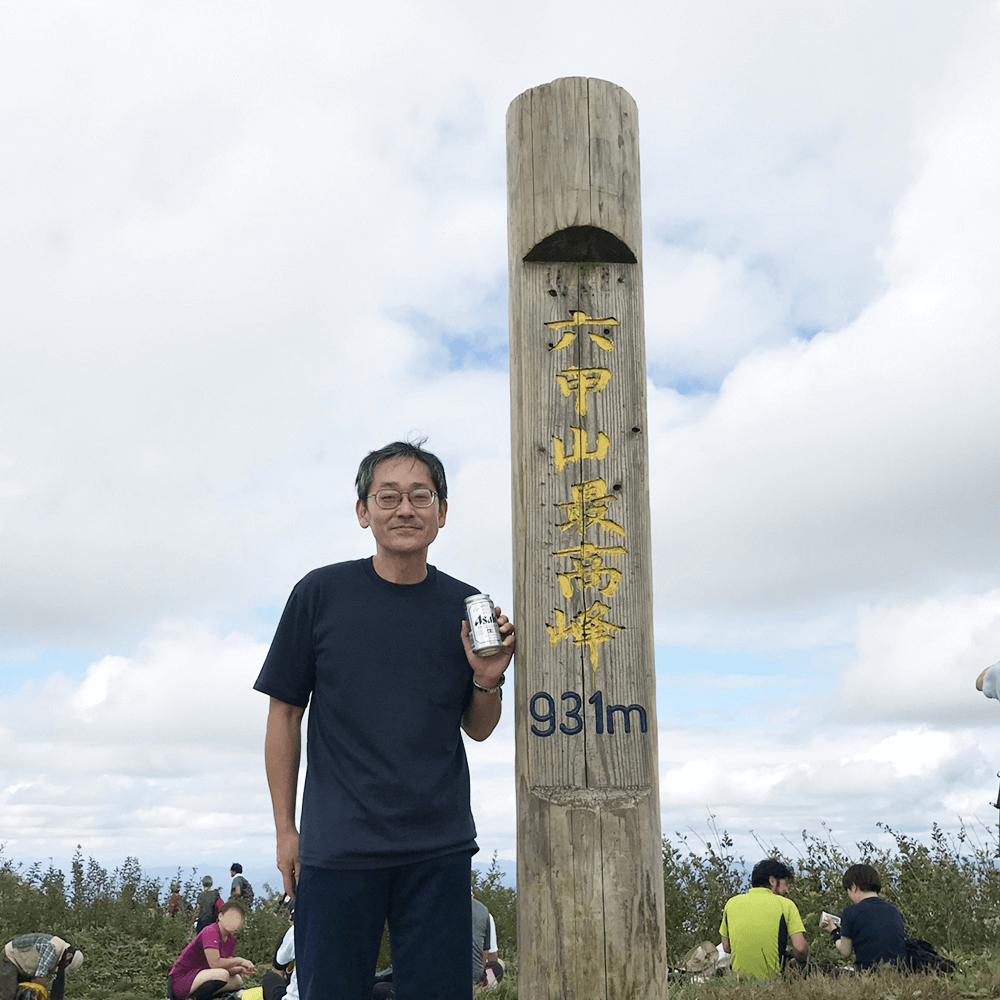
(243,244)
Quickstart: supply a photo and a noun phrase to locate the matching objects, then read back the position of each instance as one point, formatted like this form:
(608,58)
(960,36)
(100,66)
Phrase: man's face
(779,886)
(404,529)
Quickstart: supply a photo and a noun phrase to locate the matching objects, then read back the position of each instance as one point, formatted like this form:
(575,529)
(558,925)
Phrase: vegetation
(948,891)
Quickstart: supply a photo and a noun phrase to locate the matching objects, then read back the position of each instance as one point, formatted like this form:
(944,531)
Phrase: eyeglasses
(389,499)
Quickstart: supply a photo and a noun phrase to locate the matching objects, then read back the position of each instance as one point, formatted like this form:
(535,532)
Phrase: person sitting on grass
(208,965)
(759,924)
(30,959)
(870,927)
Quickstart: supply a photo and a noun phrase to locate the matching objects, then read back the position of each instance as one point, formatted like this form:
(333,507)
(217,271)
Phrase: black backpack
(245,898)
(922,957)
(206,905)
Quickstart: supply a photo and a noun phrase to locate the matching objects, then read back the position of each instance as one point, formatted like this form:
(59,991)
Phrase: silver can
(483,629)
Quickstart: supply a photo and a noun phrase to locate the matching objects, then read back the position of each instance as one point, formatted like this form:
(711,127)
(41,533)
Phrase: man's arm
(483,712)
(725,946)
(282,750)
(844,945)
(800,947)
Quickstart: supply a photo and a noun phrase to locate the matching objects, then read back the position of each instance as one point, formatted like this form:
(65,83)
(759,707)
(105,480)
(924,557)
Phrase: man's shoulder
(450,585)
(874,905)
(348,570)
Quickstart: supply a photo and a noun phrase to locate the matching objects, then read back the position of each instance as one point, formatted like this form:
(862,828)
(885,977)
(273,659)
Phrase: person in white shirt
(989,681)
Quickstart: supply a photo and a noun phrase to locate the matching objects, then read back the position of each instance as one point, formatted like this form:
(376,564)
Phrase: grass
(948,891)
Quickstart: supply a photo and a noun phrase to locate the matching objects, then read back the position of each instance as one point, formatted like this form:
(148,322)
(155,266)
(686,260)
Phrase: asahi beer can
(483,629)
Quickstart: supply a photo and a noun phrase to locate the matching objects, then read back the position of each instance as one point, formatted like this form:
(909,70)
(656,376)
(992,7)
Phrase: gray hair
(400,449)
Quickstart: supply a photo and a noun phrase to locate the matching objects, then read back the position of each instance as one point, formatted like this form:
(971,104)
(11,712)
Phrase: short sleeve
(211,937)
(724,926)
(286,950)
(991,682)
(794,920)
(289,672)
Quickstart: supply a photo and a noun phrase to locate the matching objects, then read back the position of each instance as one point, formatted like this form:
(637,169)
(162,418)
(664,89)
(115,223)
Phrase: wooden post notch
(589,862)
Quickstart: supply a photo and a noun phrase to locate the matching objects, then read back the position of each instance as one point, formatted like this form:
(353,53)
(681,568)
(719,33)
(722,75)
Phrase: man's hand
(288,861)
(282,746)
(489,669)
(483,712)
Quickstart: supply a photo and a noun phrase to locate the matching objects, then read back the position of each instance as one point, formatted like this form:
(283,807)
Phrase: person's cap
(207,881)
(236,867)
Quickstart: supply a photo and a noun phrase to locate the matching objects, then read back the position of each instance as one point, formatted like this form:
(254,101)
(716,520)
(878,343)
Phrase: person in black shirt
(379,650)
(870,927)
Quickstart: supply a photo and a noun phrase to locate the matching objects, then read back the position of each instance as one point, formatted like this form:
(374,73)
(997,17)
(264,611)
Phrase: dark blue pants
(339,916)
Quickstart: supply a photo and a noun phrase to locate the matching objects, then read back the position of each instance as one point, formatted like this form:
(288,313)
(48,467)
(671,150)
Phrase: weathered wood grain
(590,889)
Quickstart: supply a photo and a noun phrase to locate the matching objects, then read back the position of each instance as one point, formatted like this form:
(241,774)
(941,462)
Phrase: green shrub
(948,891)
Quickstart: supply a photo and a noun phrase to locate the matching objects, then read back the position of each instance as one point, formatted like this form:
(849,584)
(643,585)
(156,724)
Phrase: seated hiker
(33,959)
(280,980)
(870,927)
(208,965)
(759,924)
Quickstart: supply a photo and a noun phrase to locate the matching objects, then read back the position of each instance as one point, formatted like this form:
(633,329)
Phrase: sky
(244,244)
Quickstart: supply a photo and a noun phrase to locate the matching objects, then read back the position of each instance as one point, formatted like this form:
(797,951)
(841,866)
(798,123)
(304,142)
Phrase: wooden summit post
(589,862)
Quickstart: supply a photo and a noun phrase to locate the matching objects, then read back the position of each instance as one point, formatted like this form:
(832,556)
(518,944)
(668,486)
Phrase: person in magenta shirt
(208,965)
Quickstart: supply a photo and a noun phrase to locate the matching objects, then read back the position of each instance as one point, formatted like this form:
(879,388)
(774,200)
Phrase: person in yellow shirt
(758,925)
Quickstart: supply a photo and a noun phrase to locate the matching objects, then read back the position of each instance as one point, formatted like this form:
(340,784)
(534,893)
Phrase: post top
(572,81)
(573,163)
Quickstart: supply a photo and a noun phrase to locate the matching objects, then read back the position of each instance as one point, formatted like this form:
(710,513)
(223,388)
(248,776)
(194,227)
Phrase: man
(241,889)
(379,650)
(34,959)
(870,927)
(758,925)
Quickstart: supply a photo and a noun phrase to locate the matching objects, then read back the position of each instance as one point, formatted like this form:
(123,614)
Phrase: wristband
(492,690)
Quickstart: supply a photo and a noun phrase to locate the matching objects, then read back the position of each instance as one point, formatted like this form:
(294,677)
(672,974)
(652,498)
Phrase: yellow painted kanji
(589,569)
(580,446)
(588,628)
(582,319)
(589,507)
(581,381)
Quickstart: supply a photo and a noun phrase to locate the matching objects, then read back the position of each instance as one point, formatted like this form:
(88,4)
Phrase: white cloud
(240,252)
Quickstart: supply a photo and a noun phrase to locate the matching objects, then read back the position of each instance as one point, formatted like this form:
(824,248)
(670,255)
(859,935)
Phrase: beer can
(484,632)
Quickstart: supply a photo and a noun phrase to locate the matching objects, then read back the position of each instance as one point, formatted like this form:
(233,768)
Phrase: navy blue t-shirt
(384,672)
(875,928)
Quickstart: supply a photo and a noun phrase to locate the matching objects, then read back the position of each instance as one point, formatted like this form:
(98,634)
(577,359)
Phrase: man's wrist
(487,689)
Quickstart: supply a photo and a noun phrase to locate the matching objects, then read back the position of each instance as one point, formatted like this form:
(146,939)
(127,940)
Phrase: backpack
(922,957)
(245,898)
(206,905)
